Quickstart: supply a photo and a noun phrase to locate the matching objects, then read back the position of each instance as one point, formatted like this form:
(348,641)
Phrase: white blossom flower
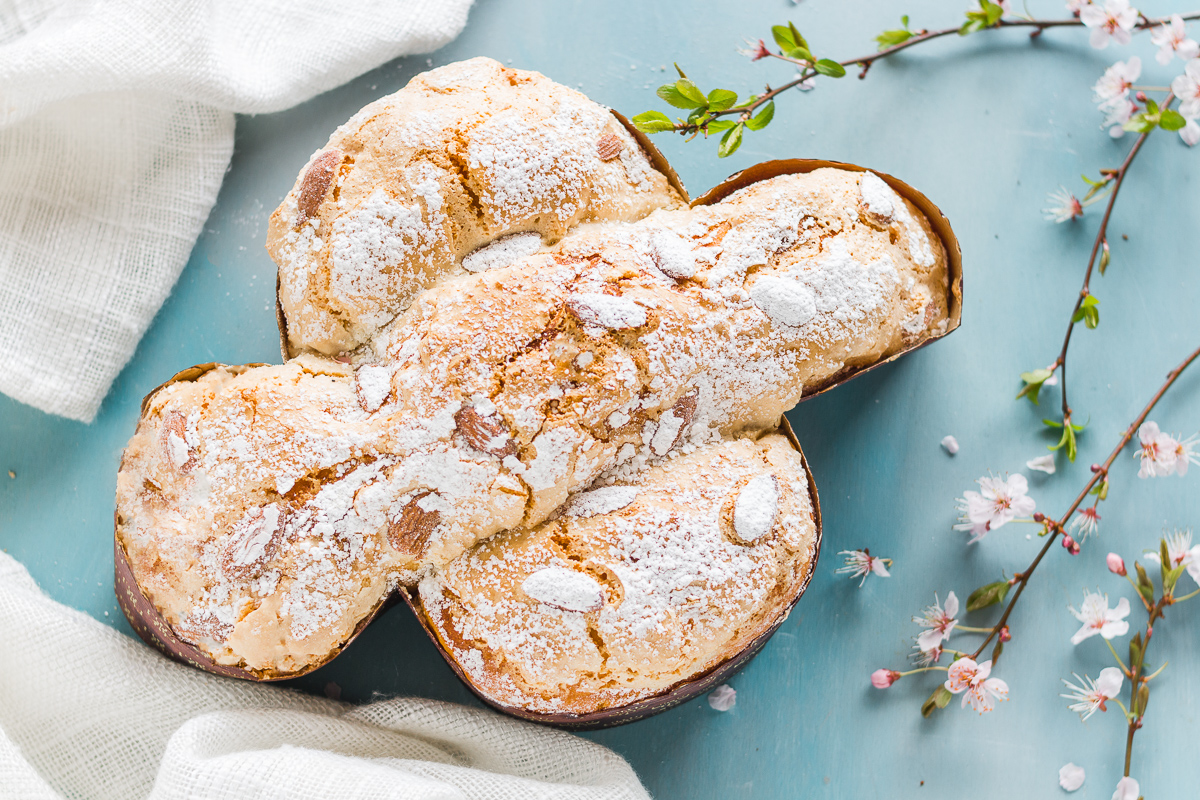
(1181,552)
(1114,21)
(1172,40)
(1090,696)
(1116,82)
(1187,88)
(860,564)
(1185,453)
(965,675)
(1074,6)
(1043,464)
(1062,206)
(998,503)
(1190,133)
(1070,777)
(1097,617)
(1158,452)
(722,698)
(940,622)
(1084,524)
(926,658)
(1127,789)
(1117,116)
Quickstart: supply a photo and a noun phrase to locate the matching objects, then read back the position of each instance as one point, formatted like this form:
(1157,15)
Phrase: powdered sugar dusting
(883,201)
(502,252)
(754,511)
(566,589)
(374,385)
(604,500)
(606,311)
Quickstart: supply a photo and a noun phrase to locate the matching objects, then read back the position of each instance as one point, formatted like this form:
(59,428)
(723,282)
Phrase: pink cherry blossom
(1114,21)
(1084,523)
(755,50)
(860,563)
(998,503)
(1187,88)
(1185,453)
(1090,696)
(1116,82)
(1190,133)
(1063,207)
(1116,564)
(939,621)
(1127,789)
(1157,453)
(1172,40)
(1120,113)
(1098,618)
(883,678)
(1071,777)
(1181,552)
(982,692)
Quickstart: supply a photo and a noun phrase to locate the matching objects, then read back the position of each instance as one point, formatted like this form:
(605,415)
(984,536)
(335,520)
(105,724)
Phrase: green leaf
(939,699)
(1088,312)
(994,11)
(800,54)
(718,125)
(691,91)
(1172,120)
(972,26)
(1104,258)
(1164,562)
(796,37)
(1066,441)
(653,122)
(1151,107)
(1140,123)
(1143,698)
(763,118)
(1145,587)
(830,68)
(672,95)
(1052,423)
(721,99)
(730,142)
(904,21)
(988,595)
(1172,578)
(1033,384)
(783,37)
(679,69)
(892,38)
(1094,184)
(1135,651)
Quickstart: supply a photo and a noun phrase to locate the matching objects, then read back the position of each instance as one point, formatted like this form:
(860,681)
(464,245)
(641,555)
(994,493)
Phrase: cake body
(524,371)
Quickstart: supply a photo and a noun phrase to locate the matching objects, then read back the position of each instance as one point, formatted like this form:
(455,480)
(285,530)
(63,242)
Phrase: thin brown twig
(1056,527)
(1117,179)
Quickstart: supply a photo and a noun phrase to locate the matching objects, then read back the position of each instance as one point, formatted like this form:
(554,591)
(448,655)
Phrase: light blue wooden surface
(985,127)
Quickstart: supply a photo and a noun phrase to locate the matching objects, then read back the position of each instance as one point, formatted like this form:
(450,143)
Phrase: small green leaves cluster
(1033,384)
(1154,116)
(1069,430)
(986,16)
(753,114)
(1088,312)
(896,36)
(940,698)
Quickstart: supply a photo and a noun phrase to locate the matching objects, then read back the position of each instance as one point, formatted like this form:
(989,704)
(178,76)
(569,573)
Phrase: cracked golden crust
(476,149)
(682,594)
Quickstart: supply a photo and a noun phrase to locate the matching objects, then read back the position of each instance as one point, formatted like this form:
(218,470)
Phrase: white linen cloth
(86,712)
(116,128)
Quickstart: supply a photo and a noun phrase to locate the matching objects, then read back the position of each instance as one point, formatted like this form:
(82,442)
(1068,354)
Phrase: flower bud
(1005,636)
(1039,517)
(1070,545)
(1141,96)
(1116,564)
(1095,467)
(883,678)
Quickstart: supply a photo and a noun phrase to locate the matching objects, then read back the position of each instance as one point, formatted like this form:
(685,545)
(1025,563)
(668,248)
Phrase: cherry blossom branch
(719,110)
(1056,527)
